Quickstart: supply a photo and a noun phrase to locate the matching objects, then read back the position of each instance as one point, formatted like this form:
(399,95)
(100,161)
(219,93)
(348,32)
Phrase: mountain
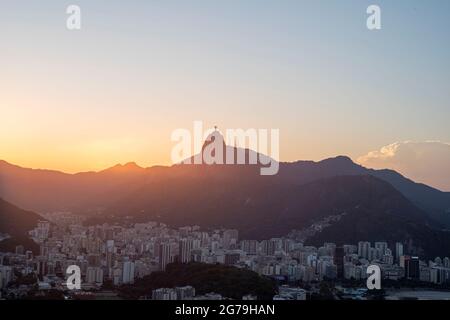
(367,204)
(435,202)
(47,190)
(15,223)
(88,192)
(374,211)
(364,206)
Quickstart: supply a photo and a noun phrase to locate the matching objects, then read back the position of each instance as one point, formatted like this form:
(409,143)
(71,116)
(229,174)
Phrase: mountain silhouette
(14,225)
(15,221)
(262,207)
(375,202)
(47,190)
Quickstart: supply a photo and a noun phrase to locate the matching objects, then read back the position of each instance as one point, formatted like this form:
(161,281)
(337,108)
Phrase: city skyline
(234,158)
(113,259)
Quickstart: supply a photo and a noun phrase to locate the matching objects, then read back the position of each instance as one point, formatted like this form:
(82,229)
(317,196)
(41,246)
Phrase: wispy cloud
(426,161)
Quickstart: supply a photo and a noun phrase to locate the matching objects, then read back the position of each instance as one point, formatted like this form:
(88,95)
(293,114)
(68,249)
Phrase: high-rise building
(363,249)
(205,240)
(231,258)
(412,268)
(339,261)
(185,248)
(230,238)
(42,230)
(185,293)
(117,276)
(446,262)
(249,246)
(128,272)
(41,266)
(164,294)
(109,259)
(94,275)
(6,275)
(196,244)
(268,247)
(398,251)
(290,293)
(43,251)
(331,271)
(164,255)
(373,254)
(401,261)
(434,275)
(388,259)
(288,245)
(381,248)
(110,245)
(350,249)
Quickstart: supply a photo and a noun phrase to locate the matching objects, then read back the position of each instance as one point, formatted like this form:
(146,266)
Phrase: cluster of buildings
(120,255)
(178,293)
(394,263)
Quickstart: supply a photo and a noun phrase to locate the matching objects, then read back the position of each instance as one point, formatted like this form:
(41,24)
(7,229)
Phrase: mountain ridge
(16,223)
(47,190)
(237,196)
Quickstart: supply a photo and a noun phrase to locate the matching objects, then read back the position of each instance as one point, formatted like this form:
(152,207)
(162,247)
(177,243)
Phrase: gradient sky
(115,90)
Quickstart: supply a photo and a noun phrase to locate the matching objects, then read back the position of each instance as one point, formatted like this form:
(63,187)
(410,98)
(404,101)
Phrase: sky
(425,162)
(114,91)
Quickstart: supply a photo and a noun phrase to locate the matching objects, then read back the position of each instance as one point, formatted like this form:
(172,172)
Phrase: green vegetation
(230,282)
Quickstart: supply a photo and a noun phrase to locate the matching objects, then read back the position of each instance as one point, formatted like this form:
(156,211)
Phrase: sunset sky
(114,91)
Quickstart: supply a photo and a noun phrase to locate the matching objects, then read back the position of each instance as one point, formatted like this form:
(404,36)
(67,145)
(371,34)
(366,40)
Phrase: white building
(128,272)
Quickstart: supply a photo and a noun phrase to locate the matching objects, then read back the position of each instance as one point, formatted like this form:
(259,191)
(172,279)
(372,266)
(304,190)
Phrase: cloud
(427,162)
